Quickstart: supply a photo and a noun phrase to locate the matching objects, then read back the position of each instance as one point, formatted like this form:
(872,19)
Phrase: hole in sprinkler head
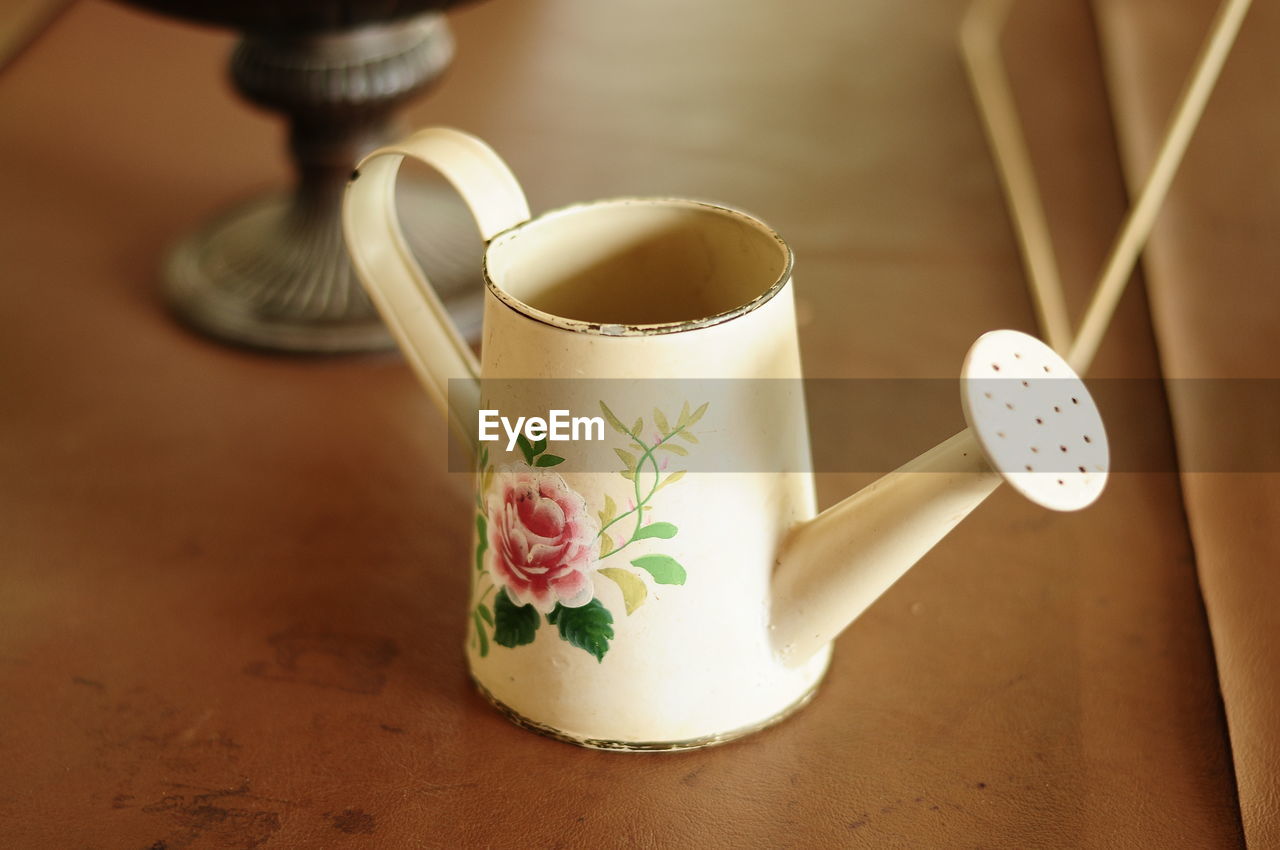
(987,395)
(1075,401)
(1087,438)
(1039,421)
(1064,448)
(1009,405)
(1017,356)
(1000,434)
(1028,467)
(1035,451)
(1057,409)
(1046,368)
(995,367)
(1081,468)
(1060,482)
(1025,384)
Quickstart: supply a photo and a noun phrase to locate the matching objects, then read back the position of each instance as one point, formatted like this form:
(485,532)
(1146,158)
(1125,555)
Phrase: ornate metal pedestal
(273,273)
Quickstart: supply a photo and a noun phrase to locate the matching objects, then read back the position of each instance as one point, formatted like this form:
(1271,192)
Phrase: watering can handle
(387,268)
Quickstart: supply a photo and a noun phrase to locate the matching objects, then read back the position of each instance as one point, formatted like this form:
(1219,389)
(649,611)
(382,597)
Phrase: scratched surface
(232,587)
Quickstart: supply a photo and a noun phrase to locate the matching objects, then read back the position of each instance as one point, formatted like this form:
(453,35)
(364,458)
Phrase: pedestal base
(267,274)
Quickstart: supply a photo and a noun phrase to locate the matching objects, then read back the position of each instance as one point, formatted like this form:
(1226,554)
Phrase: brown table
(231,594)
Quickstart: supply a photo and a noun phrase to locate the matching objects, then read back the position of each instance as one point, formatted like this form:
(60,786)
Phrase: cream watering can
(637,607)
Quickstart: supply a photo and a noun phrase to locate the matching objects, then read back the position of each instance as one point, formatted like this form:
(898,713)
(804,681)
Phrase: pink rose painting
(542,540)
(539,548)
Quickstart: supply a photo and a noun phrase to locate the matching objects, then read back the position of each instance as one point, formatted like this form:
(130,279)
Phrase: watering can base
(698,743)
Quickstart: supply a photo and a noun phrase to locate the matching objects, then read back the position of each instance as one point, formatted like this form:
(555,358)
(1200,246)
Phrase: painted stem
(647,454)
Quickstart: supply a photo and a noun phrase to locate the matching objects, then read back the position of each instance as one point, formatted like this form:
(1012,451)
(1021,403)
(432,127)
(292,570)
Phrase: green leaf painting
(513,625)
(588,627)
(526,448)
(481,634)
(663,568)
(482,541)
(662,530)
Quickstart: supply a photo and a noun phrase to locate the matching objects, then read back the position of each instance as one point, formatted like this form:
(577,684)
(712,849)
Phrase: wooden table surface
(232,593)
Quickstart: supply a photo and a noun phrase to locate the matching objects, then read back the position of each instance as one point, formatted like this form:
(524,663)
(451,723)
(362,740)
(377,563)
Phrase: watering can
(653,605)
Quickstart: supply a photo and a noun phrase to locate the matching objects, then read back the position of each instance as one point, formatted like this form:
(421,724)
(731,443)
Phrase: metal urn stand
(273,273)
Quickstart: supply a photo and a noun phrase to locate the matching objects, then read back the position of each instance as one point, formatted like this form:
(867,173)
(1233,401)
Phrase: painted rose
(542,540)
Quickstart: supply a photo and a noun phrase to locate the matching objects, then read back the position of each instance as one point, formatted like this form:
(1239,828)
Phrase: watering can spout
(837,564)
(1031,422)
